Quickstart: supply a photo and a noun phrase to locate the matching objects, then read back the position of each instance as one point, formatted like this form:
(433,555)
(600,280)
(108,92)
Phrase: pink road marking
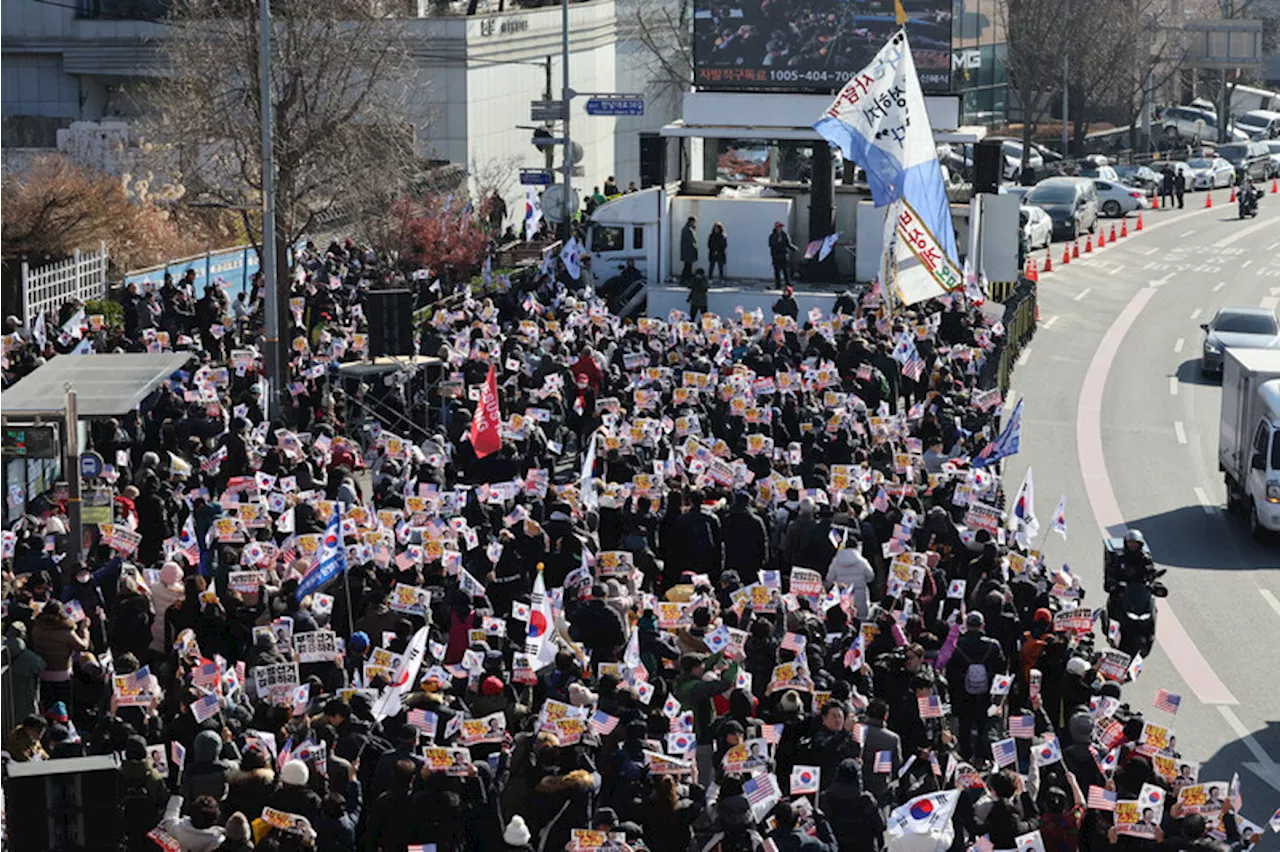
(1173,637)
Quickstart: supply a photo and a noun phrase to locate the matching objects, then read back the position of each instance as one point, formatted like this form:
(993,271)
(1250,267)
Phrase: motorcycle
(1131,605)
(1247,202)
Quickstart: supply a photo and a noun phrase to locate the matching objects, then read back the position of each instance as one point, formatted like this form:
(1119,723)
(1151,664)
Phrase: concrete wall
(747,222)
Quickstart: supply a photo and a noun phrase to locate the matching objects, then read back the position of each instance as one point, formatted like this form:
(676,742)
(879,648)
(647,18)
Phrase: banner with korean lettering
(915,262)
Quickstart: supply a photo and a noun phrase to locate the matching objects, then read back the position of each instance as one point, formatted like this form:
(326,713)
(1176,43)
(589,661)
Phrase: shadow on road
(1260,796)
(1189,537)
(1189,374)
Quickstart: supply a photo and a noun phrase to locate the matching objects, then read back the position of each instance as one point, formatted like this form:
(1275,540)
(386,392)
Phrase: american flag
(930,706)
(1022,727)
(884,762)
(982,844)
(423,720)
(602,724)
(794,642)
(1167,701)
(761,788)
(1101,799)
(1005,752)
(772,733)
(914,367)
(206,676)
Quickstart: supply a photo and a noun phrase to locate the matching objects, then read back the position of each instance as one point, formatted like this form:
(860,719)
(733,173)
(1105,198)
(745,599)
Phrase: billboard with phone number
(812,45)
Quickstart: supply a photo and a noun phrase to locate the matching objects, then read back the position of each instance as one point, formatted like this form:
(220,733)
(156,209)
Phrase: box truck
(1249,436)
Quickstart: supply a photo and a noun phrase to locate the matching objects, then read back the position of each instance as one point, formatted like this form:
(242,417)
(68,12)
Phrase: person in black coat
(855,816)
(599,627)
(970,697)
(746,542)
(717,248)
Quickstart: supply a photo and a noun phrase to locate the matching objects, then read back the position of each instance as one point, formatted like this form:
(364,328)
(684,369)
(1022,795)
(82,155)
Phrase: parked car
(1116,199)
(1072,204)
(1210,173)
(1012,150)
(1194,125)
(1260,124)
(1273,151)
(1140,177)
(1037,227)
(1251,158)
(1097,172)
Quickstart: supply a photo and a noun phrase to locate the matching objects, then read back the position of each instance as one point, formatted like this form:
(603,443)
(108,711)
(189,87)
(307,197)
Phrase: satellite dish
(553,203)
(577,153)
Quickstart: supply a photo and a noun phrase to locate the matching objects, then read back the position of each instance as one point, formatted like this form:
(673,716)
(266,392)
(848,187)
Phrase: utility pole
(71,466)
(567,95)
(1066,79)
(271,310)
(549,153)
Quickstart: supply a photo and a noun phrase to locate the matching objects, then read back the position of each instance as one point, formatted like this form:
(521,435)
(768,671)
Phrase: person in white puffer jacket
(850,568)
(164,593)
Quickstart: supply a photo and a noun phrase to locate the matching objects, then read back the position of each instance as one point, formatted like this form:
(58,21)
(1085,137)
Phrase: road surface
(1118,419)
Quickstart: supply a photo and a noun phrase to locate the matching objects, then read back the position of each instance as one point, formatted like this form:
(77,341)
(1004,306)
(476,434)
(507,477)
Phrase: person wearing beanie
(239,834)
(206,771)
(165,592)
(516,836)
(970,671)
(293,796)
(790,703)
(141,790)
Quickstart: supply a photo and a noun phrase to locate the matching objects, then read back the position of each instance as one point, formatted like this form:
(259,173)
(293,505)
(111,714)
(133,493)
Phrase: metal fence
(82,276)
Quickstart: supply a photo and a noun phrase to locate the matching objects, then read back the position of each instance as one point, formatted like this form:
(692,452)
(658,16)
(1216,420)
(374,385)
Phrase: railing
(82,276)
(1019,300)
(235,267)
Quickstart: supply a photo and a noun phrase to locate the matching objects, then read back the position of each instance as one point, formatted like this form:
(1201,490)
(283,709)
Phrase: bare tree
(1153,53)
(1037,35)
(664,30)
(343,138)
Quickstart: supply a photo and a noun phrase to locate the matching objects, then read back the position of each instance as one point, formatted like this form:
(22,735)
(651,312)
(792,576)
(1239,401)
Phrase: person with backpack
(879,738)
(976,660)
(142,793)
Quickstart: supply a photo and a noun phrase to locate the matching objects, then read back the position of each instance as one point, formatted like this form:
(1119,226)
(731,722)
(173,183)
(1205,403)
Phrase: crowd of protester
(730,584)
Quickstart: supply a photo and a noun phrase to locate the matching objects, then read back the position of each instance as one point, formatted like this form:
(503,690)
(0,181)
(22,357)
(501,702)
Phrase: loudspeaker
(69,803)
(653,160)
(988,166)
(390,315)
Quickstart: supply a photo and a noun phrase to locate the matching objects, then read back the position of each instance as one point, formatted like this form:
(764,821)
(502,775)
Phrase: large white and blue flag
(879,122)
(1006,443)
(333,558)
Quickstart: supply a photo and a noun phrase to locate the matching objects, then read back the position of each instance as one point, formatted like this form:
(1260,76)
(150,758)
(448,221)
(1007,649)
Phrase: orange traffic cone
(1139,227)
(1048,261)
(1112,238)
(1066,255)
(1275,186)
(1075,248)
(1208,200)
(1088,245)
(1030,272)
(1155,202)
(1232,199)
(1124,227)
(1102,238)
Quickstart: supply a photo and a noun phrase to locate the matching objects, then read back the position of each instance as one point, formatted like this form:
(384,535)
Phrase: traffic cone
(1232,199)
(1048,261)
(1124,226)
(1155,202)
(1112,238)
(1088,245)
(1208,200)
(1075,248)
(1066,255)
(1030,273)
(1139,227)
(1275,186)
(1102,238)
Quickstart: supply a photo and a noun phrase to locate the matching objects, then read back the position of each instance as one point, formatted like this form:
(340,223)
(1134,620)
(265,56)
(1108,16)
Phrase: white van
(1260,124)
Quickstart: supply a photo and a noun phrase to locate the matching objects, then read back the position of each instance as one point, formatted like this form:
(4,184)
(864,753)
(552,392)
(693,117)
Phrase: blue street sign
(535,177)
(615,106)
(90,465)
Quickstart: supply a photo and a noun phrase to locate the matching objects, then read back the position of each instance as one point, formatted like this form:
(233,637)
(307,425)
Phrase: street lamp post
(271,310)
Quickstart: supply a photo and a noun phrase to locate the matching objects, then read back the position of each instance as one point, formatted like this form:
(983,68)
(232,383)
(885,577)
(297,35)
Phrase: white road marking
(1246,264)
(1118,269)
(1265,768)
(1173,386)
(1024,357)
(1273,246)
(1240,235)
(1179,431)
(1151,251)
(1011,401)
(1082,293)
(1271,599)
(1050,321)
(1203,497)
(1219,286)
(1195,314)
(1269,302)
(1185,234)
(1177,346)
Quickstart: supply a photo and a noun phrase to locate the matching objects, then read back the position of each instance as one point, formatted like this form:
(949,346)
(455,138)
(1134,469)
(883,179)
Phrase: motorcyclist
(1134,564)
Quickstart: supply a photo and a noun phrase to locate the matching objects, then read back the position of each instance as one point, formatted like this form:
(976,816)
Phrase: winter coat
(205,773)
(129,630)
(22,680)
(142,796)
(878,738)
(689,244)
(561,803)
(854,814)
(55,638)
(162,597)
(695,694)
(248,791)
(851,568)
(190,838)
(746,542)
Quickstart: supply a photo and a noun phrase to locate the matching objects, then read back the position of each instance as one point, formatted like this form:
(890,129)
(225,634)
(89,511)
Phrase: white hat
(295,773)
(517,833)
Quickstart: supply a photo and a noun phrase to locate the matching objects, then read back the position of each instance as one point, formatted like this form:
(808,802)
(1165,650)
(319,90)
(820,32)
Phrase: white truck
(1249,436)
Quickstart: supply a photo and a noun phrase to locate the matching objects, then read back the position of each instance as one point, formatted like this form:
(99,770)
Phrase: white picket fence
(82,276)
